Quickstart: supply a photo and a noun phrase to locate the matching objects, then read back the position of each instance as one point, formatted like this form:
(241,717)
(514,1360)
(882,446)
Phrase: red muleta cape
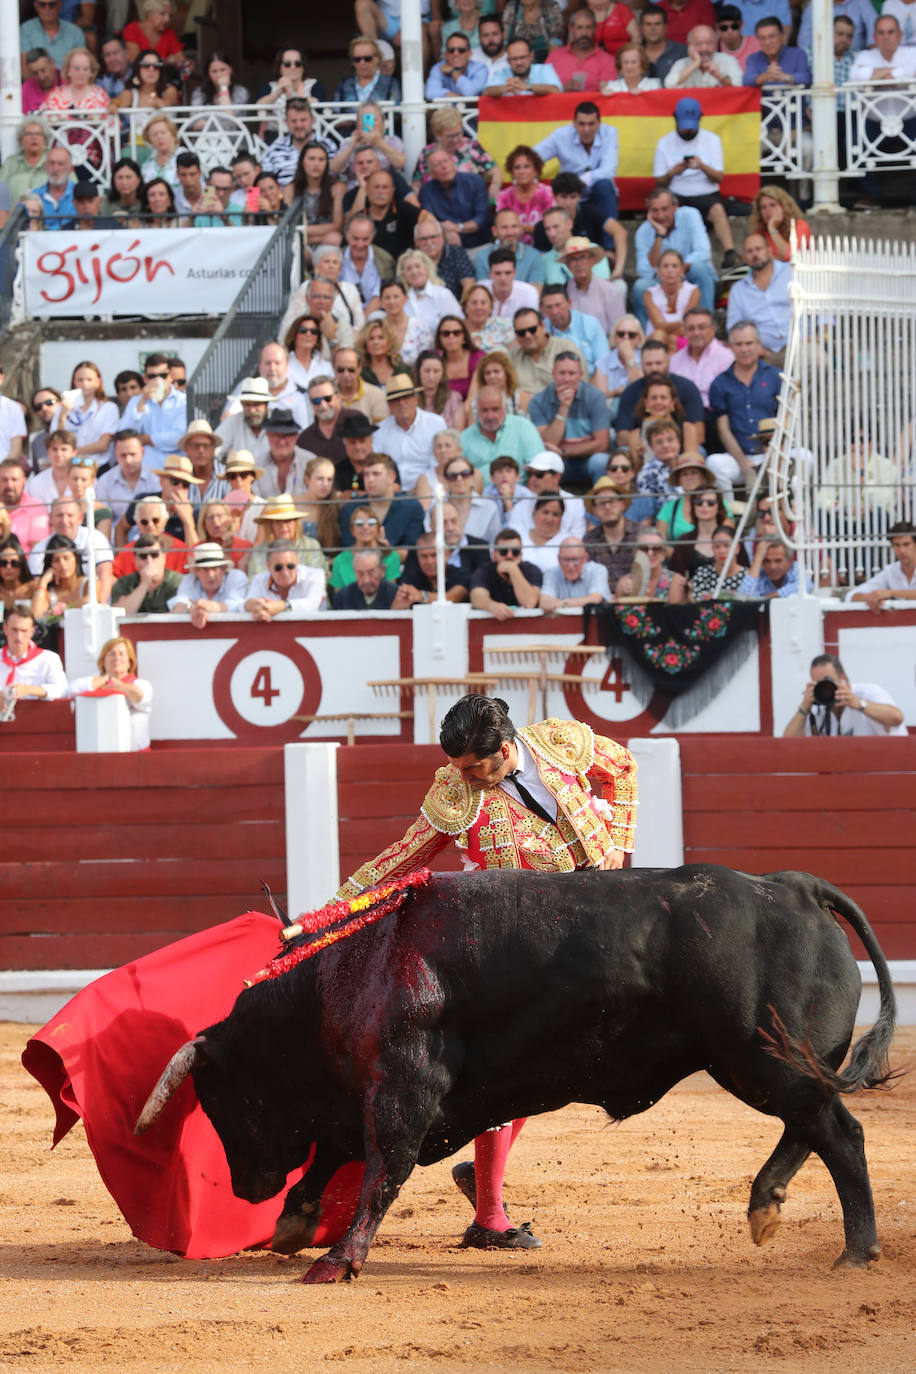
(99,1059)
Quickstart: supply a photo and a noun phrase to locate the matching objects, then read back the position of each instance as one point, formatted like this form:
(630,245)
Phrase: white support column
(414,126)
(660,815)
(102,725)
(10,77)
(86,629)
(823,110)
(796,636)
(312,849)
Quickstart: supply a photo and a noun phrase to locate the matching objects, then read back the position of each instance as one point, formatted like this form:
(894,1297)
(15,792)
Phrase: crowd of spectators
(595,440)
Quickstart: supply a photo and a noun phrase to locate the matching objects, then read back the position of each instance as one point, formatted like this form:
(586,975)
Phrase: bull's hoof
(466,1181)
(848,1261)
(293,1233)
(764,1223)
(326,1271)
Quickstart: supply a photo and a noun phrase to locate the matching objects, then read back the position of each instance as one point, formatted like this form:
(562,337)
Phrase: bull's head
(258,1148)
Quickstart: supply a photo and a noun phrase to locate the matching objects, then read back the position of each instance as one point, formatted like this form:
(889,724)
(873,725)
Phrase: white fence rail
(849,401)
(880,130)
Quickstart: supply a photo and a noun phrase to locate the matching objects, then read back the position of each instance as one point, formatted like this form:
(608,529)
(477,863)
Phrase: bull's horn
(174,1074)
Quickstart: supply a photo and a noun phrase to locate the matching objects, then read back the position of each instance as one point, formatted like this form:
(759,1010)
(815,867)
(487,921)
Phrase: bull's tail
(868,1065)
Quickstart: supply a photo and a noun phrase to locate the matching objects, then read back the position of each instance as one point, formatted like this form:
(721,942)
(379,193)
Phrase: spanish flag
(640,120)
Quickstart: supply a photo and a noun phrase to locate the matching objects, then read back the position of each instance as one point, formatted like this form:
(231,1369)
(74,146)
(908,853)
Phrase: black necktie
(527,798)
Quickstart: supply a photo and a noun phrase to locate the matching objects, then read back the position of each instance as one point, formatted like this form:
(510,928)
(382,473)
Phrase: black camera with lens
(825,691)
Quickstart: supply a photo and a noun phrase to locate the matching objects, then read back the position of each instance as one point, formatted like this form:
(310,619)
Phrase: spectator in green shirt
(146,591)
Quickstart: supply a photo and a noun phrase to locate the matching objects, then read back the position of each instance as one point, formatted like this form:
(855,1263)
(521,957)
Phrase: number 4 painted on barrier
(613,679)
(261,687)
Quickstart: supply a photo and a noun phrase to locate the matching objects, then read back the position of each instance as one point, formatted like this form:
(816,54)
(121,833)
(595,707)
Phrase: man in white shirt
(889,63)
(898,580)
(832,705)
(27,670)
(542,478)
(689,163)
(703,66)
(407,435)
(131,475)
(509,294)
(212,587)
(285,586)
(12,425)
(66,518)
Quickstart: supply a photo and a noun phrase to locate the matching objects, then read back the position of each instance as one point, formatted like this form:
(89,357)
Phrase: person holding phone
(369,133)
(689,162)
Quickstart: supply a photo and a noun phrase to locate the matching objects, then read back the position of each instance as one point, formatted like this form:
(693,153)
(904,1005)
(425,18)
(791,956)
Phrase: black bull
(490,996)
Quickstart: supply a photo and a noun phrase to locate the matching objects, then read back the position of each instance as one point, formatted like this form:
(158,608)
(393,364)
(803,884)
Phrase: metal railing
(842,464)
(250,323)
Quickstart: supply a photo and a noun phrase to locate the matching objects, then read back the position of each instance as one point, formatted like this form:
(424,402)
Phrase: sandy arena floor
(647,1263)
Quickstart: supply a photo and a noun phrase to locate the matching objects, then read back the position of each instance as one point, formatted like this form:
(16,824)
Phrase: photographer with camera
(832,705)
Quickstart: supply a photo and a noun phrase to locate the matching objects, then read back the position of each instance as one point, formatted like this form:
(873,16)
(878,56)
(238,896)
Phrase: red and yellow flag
(640,120)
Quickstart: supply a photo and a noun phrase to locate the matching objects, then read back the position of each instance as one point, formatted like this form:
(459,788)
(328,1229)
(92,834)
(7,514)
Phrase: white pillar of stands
(660,814)
(414,126)
(102,725)
(796,636)
(312,849)
(823,110)
(10,77)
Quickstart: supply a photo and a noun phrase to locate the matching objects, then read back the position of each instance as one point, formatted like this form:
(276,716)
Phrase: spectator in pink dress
(527,195)
(79,94)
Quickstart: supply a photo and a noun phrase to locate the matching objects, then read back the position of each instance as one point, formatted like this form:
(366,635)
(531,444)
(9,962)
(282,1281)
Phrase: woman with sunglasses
(479,515)
(153,86)
(622,468)
(322,196)
(16,581)
(446,446)
(694,549)
(367,80)
(691,474)
(377,347)
(117,674)
(289,80)
(650,577)
(61,584)
(461,358)
(622,364)
(304,344)
(435,393)
(366,530)
(215,525)
(82,475)
(93,418)
(44,404)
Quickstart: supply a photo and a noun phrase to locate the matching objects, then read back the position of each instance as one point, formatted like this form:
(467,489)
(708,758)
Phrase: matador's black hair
(476,725)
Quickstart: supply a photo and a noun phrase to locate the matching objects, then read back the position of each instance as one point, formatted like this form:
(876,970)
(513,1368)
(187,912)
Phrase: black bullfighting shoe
(517,1238)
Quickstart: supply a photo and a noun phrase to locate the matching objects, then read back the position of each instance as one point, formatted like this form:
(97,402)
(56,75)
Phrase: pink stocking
(491,1152)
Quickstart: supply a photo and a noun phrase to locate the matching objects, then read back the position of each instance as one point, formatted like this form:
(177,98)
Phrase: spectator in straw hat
(245,428)
(241,472)
(212,586)
(613,542)
(285,585)
(177,480)
(284,467)
(691,474)
(281,520)
(588,293)
(200,444)
(407,435)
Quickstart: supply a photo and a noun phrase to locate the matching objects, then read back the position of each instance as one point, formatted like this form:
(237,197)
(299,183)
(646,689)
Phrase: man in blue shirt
(776,64)
(47,30)
(739,398)
(456,73)
(588,148)
(458,200)
(56,194)
(571,417)
(669,225)
(520,75)
(773,572)
(752,11)
(507,230)
(565,323)
(763,297)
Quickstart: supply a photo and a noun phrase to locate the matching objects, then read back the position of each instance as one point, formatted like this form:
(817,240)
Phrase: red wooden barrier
(110,856)
(840,808)
(39,727)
